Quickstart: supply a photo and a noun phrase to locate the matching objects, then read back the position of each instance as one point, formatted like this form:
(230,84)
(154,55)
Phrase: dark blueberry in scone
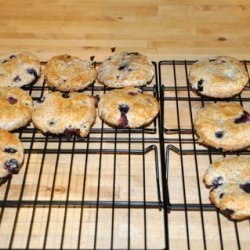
(123,66)
(200,85)
(71,132)
(113,49)
(12,100)
(17,79)
(65,95)
(123,121)
(32,71)
(245,117)
(245,187)
(133,53)
(212,60)
(12,165)
(10,150)
(92,58)
(12,56)
(228,212)
(218,181)
(219,134)
(221,195)
(123,109)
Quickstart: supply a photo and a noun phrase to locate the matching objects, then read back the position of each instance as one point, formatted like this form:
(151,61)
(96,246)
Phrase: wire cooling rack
(193,223)
(121,188)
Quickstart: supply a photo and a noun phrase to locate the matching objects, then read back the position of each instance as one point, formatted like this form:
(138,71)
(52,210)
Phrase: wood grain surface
(161,29)
(100,170)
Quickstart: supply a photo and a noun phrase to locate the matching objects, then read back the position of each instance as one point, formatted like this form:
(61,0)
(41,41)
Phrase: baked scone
(69,73)
(19,69)
(16,107)
(218,77)
(223,125)
(11,154)
(229,179)
(125,69)
(71,114)
(128,107)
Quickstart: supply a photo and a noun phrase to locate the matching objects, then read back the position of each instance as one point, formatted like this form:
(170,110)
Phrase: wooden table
(107,191)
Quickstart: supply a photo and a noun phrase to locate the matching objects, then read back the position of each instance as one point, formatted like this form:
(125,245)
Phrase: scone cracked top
(128,108)
(19,69)
(218,77)
(71,114)
(16,108)
(229,180)
(11,154)
(125,69)
(69,73)
(224,125)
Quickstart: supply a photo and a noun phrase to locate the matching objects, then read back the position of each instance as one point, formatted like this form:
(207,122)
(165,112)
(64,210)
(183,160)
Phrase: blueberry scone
(19,69)
(125,69)
(223,125)
(218,77)
(11,154)
(71,114)
(229,180)
(128,107)
(16,108)
(69,73)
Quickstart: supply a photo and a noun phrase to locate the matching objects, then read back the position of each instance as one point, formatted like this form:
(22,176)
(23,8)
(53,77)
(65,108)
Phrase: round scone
(218,77)
(125,69)
(69,73)
(16,108)
(128,107)
(229,179)
(19,69)
(71,114)
(223,125)
(11,154)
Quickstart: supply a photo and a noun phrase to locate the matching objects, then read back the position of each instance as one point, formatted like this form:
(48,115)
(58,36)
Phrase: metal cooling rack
(200,225)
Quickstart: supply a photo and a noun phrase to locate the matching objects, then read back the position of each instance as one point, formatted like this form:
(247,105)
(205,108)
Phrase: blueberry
(51,123)
(243,118)
(219,134)
(218,181)
(245,187)
(65,95)
(71,132)
(117,77)
(123,66)
(133,53)
(212,60)
(10,150)
(92,58)
(113,49)
(12,165)
(4,61)
(67,56)
(12,100)
(200,85)
(228,211)
(221,195)
(12,56)
(124,108)
(32,71)
(17,79)
(123,121)
(133,93)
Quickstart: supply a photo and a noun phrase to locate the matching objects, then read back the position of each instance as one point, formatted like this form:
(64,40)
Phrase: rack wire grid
(192,222)
(99,192)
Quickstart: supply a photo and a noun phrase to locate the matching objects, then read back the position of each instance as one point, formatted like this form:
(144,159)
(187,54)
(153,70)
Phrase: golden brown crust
(62,112)
(125,69)
(128,107)
(69,73)
(218,77)
(16,108)
(216,125)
